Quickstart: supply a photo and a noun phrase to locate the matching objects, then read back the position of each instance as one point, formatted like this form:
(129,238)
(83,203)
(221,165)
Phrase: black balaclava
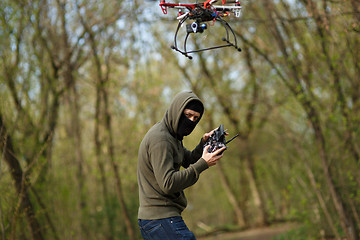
(186,126)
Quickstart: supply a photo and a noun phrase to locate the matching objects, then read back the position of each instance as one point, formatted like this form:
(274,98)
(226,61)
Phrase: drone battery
(188,28)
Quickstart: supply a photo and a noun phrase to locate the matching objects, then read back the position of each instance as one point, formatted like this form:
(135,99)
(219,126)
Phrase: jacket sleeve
(191,157)
(168,178)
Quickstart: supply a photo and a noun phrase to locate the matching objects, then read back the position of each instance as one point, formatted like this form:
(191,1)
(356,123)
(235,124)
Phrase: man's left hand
(207,135)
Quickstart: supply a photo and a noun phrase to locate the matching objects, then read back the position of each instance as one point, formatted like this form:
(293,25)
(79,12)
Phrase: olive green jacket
(161,154)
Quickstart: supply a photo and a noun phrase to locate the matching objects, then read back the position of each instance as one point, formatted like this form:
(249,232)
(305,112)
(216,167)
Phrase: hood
(176,108)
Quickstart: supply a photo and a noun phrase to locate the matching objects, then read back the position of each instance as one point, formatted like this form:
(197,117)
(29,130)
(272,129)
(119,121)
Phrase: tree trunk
(79,159)
(303,96)
(99,160)
(255,192)
(229,111)
(21,182)
(125,213)
(75,111)
(249,160)
(101,80)
(345,220)
(231,196)
(321,201)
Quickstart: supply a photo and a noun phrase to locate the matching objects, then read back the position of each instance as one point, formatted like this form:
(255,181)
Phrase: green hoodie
(161,154)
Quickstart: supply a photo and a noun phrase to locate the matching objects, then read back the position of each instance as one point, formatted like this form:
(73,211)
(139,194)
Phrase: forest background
(82,81)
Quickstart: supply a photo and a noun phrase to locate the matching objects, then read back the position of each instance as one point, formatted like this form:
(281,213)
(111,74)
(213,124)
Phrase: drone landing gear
(182,52)
(200,30)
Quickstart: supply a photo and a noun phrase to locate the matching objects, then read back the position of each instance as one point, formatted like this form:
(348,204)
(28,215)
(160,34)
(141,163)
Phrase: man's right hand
(212,158)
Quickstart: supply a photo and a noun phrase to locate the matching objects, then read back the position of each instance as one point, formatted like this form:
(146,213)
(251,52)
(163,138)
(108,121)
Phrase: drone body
(200,14)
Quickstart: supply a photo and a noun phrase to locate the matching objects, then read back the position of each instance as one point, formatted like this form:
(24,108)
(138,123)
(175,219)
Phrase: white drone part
(235,9)
(182,16)
(180,6)
(237,12)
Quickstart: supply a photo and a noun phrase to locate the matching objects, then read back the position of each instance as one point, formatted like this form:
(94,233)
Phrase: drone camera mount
(196,27)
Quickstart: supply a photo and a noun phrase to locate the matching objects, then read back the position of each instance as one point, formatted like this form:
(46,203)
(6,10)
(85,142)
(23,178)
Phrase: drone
(201,15)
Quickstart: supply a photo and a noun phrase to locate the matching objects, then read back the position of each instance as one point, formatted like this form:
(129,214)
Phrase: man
(161,182)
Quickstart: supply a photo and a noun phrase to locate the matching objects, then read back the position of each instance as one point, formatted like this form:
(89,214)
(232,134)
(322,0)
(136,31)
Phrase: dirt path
(264,233)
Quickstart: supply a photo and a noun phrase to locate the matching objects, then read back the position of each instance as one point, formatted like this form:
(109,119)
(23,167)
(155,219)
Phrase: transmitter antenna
(232,138)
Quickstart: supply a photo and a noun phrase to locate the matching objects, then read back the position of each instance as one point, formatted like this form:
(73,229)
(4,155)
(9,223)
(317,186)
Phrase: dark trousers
(168,228)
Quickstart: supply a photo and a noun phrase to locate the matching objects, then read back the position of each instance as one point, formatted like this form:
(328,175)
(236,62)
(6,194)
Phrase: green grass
(301,233)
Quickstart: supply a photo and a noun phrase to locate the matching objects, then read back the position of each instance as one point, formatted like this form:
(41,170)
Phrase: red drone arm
(207,3)
(164,5)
